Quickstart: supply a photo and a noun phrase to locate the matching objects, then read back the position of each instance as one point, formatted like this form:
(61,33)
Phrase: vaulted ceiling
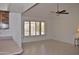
(40,10)
(43,10)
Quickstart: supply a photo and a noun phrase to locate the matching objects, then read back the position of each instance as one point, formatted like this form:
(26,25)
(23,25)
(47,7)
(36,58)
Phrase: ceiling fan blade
(62,11)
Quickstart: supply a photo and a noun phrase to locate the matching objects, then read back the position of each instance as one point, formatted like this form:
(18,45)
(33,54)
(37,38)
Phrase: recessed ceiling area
(15,7)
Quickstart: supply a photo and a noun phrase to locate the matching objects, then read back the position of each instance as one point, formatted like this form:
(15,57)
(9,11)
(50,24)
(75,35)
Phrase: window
(42,28)
(33,28)
(37,28)
(26,28)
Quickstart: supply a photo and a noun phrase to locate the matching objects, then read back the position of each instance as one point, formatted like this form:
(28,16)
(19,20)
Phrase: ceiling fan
(60,12)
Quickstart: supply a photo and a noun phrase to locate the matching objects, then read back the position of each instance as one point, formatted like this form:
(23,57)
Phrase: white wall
(14,28)
(37,38)
(62,27)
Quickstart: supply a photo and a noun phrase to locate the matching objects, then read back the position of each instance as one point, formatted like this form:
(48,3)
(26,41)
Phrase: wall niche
(4,19)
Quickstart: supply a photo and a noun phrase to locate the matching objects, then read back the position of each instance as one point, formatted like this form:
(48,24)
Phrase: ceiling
(43,10)
(40,10)
(15,7)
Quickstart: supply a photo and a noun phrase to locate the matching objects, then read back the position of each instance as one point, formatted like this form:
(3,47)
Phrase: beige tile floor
(8,46)
(49,47)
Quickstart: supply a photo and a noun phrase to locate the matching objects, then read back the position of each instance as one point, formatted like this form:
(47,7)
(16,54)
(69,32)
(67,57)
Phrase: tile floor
(8,46)
(49,47)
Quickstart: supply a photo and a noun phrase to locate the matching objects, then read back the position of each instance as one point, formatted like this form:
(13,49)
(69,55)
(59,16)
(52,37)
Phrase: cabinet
(4,19)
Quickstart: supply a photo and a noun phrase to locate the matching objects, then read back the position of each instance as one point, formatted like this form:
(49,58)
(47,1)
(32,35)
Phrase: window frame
(35,28)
